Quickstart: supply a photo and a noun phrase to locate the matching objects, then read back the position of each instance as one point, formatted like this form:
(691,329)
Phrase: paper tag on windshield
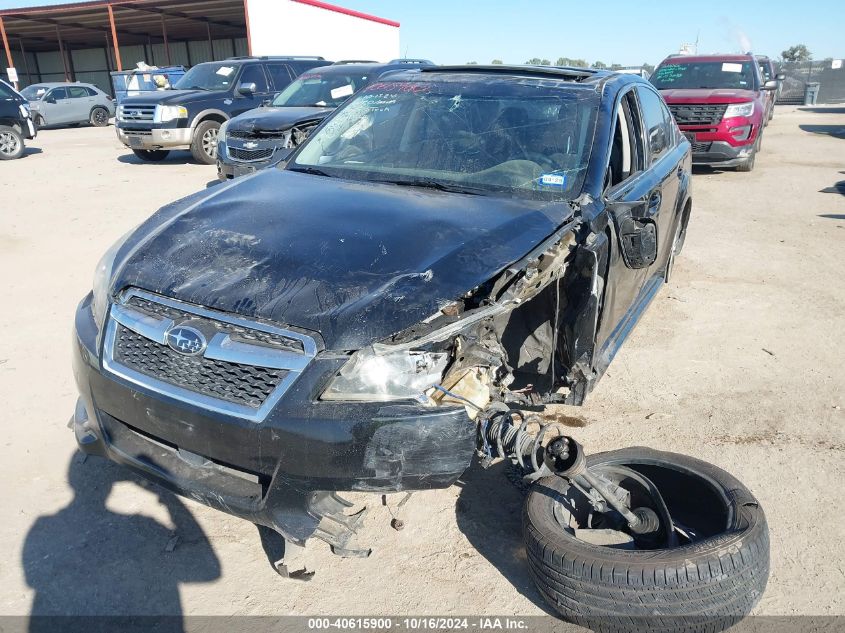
(343,91)
(727,67)
(552,180)
(225,71)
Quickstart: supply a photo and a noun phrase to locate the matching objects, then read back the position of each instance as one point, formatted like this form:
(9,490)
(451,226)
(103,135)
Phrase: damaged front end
(525,337)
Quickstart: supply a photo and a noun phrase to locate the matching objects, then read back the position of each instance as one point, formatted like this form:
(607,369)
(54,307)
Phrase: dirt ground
(739,361)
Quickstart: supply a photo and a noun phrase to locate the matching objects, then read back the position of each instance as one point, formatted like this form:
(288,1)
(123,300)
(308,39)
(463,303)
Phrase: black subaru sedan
(450,241)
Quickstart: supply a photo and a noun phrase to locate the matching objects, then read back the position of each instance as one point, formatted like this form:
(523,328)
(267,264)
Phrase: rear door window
(77,92)
(280,75)
(657,122)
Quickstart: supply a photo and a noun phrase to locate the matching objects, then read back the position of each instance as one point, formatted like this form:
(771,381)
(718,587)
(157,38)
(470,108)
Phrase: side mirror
(247,89)
(770,85)
(780,77)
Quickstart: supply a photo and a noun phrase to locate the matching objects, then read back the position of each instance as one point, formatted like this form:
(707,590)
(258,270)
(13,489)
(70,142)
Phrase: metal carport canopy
(121,23)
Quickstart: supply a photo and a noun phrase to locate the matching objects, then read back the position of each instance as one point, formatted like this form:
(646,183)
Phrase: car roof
(563,73)
(341,67)
(716,57)
(58,84)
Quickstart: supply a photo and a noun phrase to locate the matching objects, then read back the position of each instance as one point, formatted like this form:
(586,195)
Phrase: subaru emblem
(186,340)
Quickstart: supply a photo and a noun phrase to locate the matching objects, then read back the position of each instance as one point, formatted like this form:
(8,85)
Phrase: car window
(6,92)
(91,92)
(77,92)
(528,139)
(657,123)
(677,73)
(34,92)
(58,93)
(626,152)
(764,71)
(321,89)
(280,75)
(254,74)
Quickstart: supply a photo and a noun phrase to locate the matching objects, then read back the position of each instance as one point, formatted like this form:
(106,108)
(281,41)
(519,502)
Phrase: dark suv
(190,115)
(720,103)
(15,122)
(263,136)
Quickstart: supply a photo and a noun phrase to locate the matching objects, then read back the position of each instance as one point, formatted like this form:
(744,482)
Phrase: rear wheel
(11,143)
(151,155)
(704,573)
(99,117)
(204,145)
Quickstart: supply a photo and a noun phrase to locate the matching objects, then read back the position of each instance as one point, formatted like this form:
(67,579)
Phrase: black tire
(38,122)
(748,164)
(704,586)
(11,143)
(151,155)
(204,143)
(99,117)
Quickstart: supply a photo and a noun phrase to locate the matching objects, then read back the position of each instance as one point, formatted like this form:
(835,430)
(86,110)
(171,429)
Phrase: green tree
(471,63)
(615,66)
(497,62)
(648,68)
(797,53)
(568,61)
(536,61)
(599,65)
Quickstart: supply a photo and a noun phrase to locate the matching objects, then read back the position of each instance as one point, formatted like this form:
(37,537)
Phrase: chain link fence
(829,74)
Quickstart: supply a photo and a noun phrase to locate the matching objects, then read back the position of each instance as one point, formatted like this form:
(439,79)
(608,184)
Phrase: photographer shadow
(88,560)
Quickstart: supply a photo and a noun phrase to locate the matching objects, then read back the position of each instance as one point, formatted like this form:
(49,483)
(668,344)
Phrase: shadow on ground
(88,560)
(489,514)
(31,151)
(823,110)
(836,131)
(176,157)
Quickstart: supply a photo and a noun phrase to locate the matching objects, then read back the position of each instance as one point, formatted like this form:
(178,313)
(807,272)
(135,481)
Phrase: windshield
(33,92)
(765,72)
(527,137)
(208,76)
(716,74)
(325,90)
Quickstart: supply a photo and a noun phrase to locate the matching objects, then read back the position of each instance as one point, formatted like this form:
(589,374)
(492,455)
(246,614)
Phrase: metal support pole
(248,36)
(62,53)
(114,39)
(210,42)
(25,63)
(164,36)
(6,46)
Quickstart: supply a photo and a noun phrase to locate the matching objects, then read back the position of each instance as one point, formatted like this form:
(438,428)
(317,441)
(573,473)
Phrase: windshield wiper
(430,183)
(310,170)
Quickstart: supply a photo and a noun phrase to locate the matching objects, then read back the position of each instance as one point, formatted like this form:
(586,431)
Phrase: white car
(63,103)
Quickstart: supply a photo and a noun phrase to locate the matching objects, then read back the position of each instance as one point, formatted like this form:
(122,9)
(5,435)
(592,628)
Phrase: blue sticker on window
(552,180)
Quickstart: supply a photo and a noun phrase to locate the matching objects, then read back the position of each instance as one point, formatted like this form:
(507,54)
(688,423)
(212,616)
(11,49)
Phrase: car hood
(175,97)
(354,261)
(277,119)
(708,95)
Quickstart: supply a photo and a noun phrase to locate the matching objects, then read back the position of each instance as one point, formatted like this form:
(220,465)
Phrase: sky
(628,33)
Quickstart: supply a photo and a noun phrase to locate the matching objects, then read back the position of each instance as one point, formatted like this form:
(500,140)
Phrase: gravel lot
(740,362)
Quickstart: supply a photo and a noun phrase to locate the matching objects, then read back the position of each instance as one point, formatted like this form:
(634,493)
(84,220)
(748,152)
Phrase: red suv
(720,104)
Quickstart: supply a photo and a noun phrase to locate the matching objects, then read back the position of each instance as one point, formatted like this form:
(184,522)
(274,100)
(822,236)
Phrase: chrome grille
(241,384)
(251,155)
(129,112)
(257,134)
(243,369)
(698,113)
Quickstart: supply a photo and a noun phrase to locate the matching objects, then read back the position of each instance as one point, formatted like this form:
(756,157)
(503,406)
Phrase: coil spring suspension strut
(541,449)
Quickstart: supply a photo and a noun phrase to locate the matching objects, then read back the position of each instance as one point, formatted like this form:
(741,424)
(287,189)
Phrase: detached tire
(151,155)
(704,586)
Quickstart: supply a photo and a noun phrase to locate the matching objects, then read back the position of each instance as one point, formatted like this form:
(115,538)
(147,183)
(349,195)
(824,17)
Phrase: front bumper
(229,167)
(720,153)
(150,138)
(281,471)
